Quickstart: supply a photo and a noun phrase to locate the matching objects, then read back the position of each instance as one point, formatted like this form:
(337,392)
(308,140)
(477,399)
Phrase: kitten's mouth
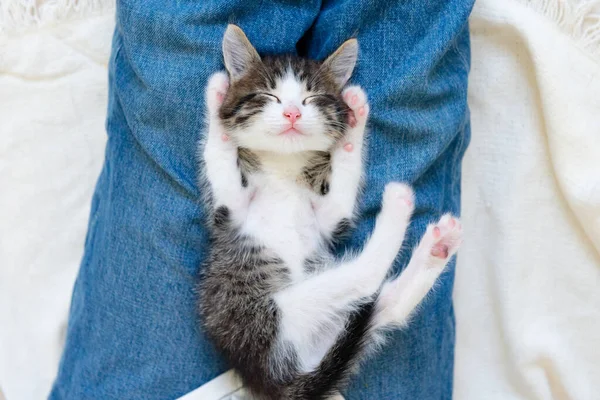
(291,132)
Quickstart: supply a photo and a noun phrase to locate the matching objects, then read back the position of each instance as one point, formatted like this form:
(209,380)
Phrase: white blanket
(528,281)
(527,291)
(52,109)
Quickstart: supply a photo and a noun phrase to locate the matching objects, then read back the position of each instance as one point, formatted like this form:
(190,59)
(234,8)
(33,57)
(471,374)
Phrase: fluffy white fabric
(527,292)
(52,108)
(528,281)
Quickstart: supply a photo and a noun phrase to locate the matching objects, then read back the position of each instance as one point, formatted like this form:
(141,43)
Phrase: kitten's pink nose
(292,113)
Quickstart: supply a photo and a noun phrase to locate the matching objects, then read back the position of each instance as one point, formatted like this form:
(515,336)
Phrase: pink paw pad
(356,99)
(447,237)
(358,109)
(352,119)
(440,251)
(216,91)
(348,147)
(224,137)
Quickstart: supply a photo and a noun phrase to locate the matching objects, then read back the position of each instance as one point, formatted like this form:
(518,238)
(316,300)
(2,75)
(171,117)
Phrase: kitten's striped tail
(340,361)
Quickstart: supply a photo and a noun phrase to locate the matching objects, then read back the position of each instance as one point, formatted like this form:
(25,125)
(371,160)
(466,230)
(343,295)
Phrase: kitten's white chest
(281,217)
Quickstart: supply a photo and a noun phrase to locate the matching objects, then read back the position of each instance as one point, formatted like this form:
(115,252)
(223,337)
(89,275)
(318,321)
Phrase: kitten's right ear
(342,61)
(238,52)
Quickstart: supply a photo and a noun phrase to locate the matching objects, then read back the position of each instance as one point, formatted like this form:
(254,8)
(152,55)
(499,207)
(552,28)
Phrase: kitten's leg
(401,296)
(346,166)
(220,153)
(310,305)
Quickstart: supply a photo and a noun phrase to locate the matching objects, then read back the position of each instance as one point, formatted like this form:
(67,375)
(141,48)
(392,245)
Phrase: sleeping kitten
(282,160)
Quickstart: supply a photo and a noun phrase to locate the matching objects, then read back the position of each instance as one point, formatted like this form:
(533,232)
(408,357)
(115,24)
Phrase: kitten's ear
(342,62)
(238,52)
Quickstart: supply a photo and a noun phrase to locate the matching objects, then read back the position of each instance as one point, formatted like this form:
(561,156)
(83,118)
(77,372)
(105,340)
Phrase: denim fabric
(133,329)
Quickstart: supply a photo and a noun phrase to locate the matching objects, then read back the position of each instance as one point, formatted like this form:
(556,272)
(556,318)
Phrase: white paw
(400,198)
(445,238)
(216,89)
(356,99)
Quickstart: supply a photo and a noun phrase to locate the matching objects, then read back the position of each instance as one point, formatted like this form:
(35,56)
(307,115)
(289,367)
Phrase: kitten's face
(284,104)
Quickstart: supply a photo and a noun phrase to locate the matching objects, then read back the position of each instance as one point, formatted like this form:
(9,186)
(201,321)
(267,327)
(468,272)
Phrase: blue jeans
(133,329)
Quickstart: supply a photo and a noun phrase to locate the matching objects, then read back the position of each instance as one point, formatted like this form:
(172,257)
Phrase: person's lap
(133,329)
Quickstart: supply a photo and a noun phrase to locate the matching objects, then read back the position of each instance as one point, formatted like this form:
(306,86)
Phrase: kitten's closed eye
(306,101)
(318,96)
(272,96)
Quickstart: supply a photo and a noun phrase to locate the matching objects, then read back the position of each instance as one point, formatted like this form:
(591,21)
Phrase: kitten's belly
(284,223)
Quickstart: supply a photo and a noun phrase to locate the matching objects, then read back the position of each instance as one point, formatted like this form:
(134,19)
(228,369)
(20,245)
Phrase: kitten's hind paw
(400,197)
(217,87)
(397,208)
(444,239)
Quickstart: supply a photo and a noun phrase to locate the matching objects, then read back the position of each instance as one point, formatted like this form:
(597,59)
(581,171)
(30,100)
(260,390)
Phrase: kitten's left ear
(238,52)
(342,61)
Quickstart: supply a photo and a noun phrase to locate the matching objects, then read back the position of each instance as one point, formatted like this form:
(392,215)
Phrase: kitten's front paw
(445,238)
(217,87)
(356,99)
